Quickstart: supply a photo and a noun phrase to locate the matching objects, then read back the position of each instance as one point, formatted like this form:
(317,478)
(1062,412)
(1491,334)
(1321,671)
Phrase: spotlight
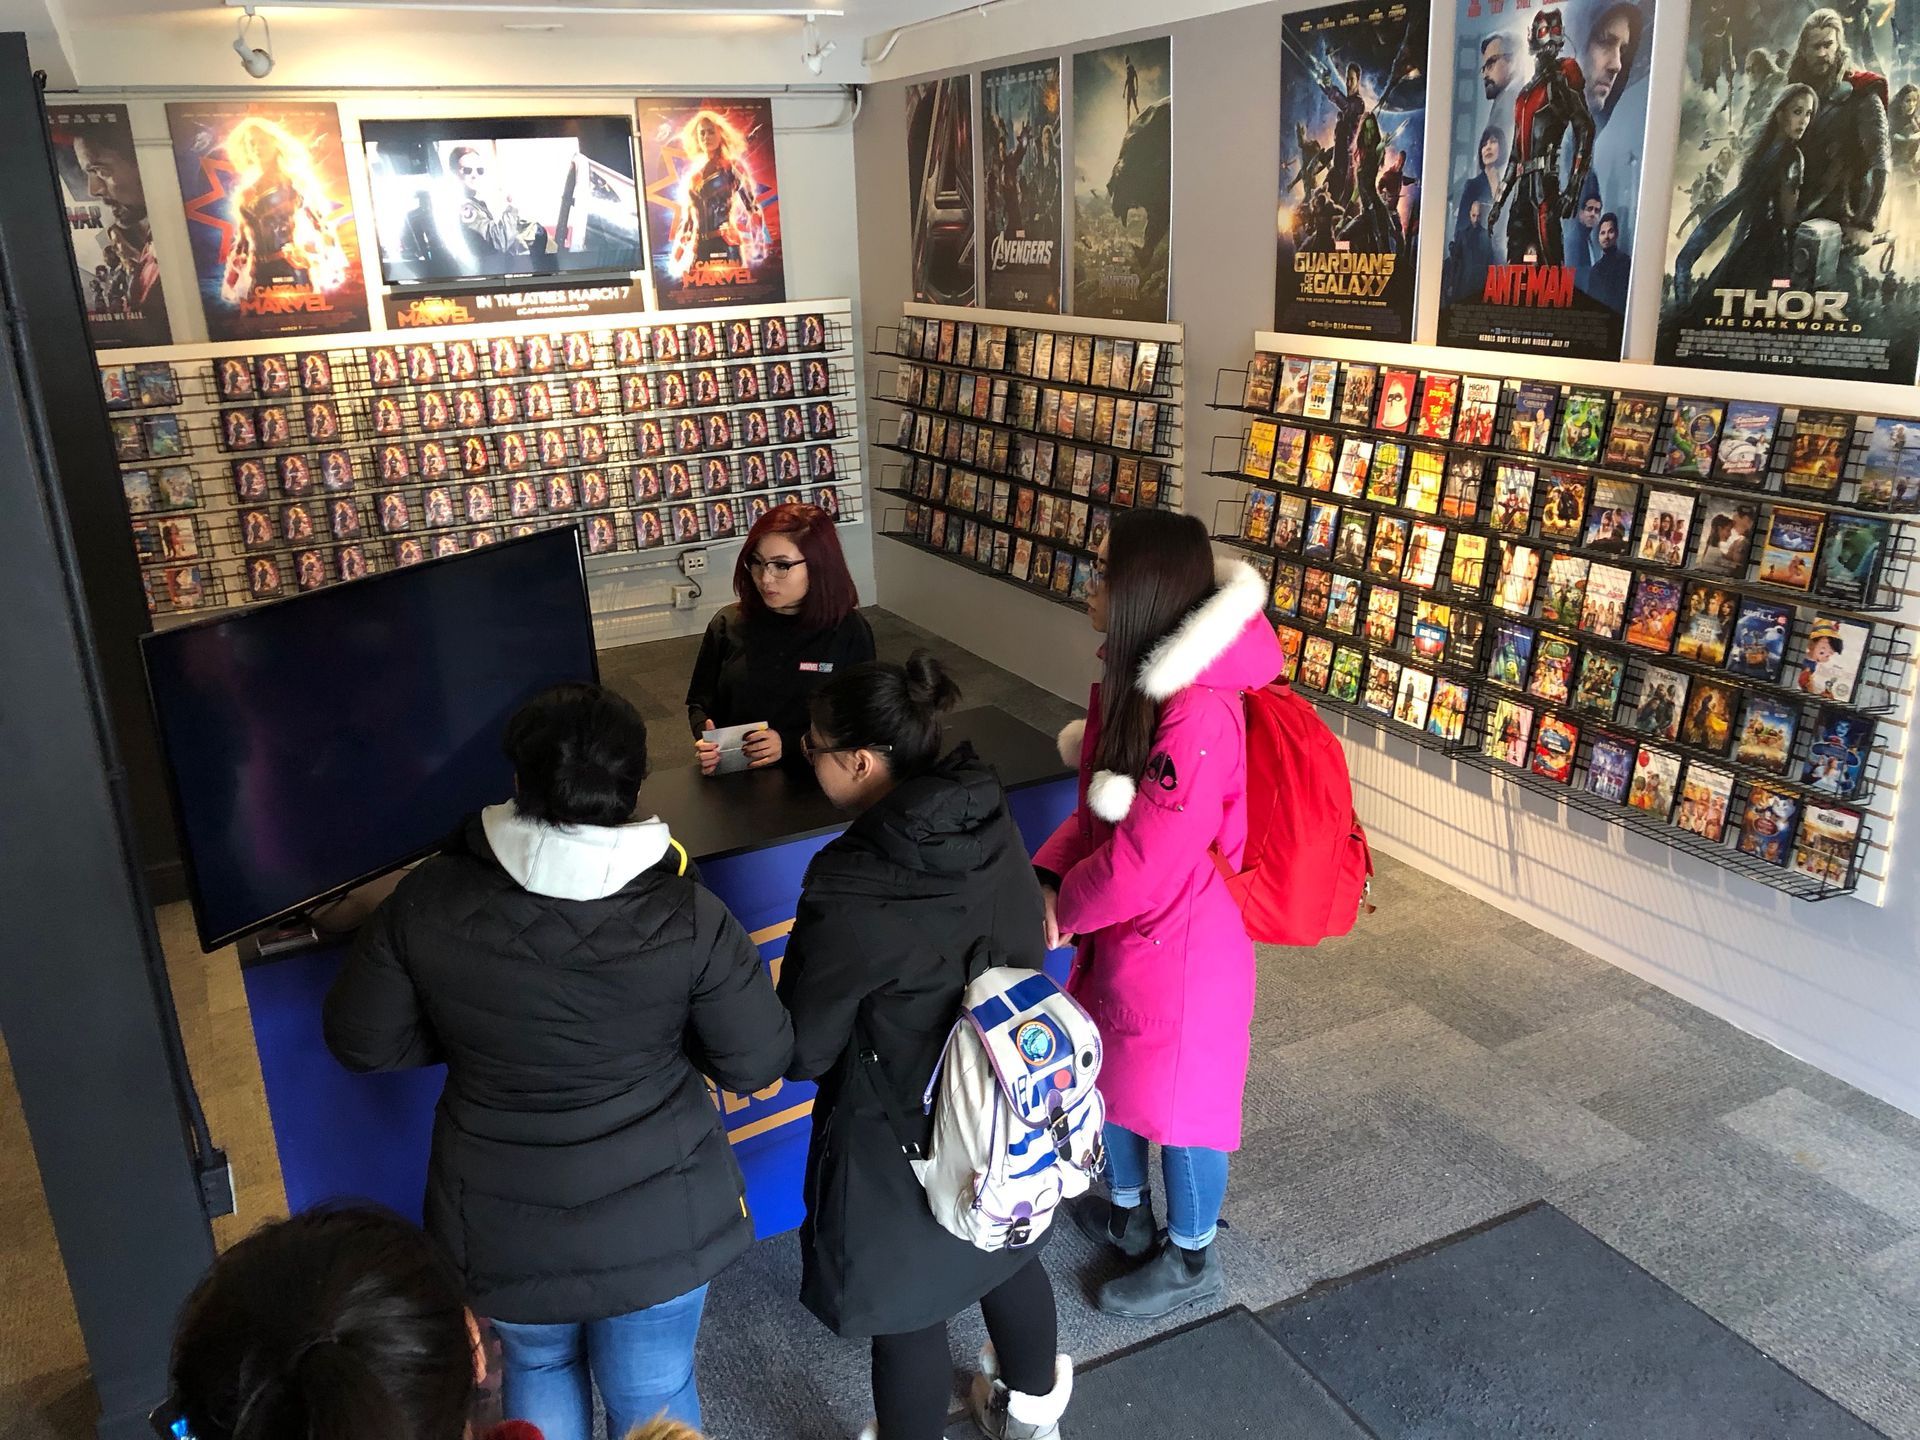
(814,57)
(257,61)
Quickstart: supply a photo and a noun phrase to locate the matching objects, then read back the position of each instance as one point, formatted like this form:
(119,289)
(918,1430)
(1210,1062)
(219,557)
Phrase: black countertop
(725,815)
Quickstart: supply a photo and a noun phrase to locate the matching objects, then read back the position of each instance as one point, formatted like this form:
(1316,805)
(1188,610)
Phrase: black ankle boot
(1172,1278)
(1129,1229)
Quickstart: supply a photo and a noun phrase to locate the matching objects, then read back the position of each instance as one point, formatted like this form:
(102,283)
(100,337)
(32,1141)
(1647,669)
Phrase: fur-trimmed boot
(1004,1414)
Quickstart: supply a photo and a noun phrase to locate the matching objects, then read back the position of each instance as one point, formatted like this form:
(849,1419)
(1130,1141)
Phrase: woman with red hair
(795,624)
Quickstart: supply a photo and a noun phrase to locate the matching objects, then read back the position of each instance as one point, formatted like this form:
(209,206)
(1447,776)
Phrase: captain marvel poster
(713,202)
(1543,183)
(269,217)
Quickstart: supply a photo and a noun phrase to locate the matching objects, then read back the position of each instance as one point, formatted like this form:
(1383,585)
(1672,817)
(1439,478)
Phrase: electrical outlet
(683,596)
(693,562)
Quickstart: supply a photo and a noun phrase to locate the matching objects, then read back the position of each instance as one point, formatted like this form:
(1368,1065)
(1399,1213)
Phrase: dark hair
(460,152)
(881,703)
(334,1325)
(1159,566)
(831,596)
(579,753)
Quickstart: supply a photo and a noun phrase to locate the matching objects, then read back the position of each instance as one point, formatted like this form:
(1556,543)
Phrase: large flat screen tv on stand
(317,743)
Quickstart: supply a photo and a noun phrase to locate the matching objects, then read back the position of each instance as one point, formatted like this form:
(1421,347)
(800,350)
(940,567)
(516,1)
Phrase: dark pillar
(90,1040)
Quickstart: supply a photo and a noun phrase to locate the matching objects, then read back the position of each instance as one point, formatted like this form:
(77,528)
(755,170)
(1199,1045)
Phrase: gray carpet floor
(1443,1065)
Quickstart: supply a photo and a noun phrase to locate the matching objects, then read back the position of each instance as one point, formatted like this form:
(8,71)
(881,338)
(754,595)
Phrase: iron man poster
(1796,192)
(269,217)
(713,202)
(1543,183)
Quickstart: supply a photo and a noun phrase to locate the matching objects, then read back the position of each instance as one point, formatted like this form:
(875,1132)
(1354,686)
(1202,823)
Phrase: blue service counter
(342,1135)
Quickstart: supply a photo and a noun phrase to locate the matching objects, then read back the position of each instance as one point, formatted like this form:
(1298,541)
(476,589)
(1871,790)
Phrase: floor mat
(1531,1327)
(1222,1378)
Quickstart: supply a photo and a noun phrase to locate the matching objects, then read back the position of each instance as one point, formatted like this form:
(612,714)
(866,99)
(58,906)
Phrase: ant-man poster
(1796,190)
(1549,127)
(269,216)
(1353,117)
(713,202)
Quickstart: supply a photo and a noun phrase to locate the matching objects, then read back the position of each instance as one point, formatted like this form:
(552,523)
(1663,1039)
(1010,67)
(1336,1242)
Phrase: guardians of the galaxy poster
(1020,157)
(269,216)
(1796,190)
(1353,116)
(940,190)
(1122,180)
(713,202)
(1549,127)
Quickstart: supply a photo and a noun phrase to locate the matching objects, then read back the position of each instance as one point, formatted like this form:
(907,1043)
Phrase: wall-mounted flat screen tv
(504,198)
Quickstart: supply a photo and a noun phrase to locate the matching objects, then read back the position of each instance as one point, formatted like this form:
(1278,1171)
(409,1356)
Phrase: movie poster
(1020,156)
(713,202)
(1549,127)
(940,190)
(107,222)
(1796,192)
(1122,180)
(269,216)
(1353,117)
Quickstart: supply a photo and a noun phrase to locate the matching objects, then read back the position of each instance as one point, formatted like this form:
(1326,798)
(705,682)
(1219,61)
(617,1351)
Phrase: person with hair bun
(561,960)
(794,625)
(1163,965)
(928,885)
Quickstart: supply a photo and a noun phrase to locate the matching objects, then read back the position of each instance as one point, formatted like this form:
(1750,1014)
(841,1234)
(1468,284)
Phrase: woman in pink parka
(1163,963)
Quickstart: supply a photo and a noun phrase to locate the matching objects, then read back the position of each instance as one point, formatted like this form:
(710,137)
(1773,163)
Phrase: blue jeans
(1195,1179)
(642,1362)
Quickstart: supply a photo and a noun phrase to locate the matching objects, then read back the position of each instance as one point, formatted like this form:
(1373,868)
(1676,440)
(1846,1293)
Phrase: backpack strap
(906,1128)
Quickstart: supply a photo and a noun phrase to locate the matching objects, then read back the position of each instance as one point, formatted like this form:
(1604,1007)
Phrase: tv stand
(318,926)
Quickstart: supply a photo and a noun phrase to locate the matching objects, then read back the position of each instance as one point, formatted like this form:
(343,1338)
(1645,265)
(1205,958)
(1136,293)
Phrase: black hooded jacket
(929,884)
(579,1166)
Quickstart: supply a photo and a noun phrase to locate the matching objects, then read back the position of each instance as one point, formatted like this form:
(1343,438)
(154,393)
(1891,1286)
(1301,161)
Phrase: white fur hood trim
(572,862)
(1205,635)
(1110,796)
(1071,740)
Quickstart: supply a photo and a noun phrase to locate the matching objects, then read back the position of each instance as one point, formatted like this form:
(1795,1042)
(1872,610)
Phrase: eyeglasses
(780,568)
(811,752)
(473,169)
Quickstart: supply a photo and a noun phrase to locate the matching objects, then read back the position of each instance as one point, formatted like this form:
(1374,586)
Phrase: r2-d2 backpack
(1017,1121)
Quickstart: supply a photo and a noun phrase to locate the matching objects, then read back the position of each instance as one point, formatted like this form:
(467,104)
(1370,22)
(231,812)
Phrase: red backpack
(1307,870)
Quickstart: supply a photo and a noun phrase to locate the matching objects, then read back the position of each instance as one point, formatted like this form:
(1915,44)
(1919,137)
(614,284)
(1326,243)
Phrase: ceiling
(144,43)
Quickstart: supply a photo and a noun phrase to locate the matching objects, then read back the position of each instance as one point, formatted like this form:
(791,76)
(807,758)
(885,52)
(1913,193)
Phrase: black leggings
(913,1373)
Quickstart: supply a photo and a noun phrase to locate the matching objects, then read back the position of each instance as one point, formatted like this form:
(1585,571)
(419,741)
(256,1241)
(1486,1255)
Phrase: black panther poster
(1796,190)
(1122,180)
(1543,184)
(1353,116)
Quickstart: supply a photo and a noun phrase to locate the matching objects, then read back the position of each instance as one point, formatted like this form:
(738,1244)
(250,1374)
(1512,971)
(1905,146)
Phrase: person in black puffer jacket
(561,960)
(931,878)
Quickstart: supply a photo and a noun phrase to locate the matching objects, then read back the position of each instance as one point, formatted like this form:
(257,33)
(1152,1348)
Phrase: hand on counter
(763,748)
(707,753)
(1055,937)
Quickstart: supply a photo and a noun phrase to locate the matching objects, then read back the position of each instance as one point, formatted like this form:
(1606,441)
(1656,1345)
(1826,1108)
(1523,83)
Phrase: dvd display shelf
(258,470)
(1018,436)
(1774,752)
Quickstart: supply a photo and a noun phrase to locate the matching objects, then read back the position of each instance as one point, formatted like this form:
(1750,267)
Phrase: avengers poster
(107,222)
(1020,157)
(940,190)
(1543,183)
(1790,247)
(1122,180)
(713,202)
(1353,116)
(269,217)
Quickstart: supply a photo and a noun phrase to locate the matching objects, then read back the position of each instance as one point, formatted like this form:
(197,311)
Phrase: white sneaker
(1004,1414)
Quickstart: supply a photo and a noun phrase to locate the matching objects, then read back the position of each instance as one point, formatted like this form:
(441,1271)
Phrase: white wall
(813,142)
(1836,983)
